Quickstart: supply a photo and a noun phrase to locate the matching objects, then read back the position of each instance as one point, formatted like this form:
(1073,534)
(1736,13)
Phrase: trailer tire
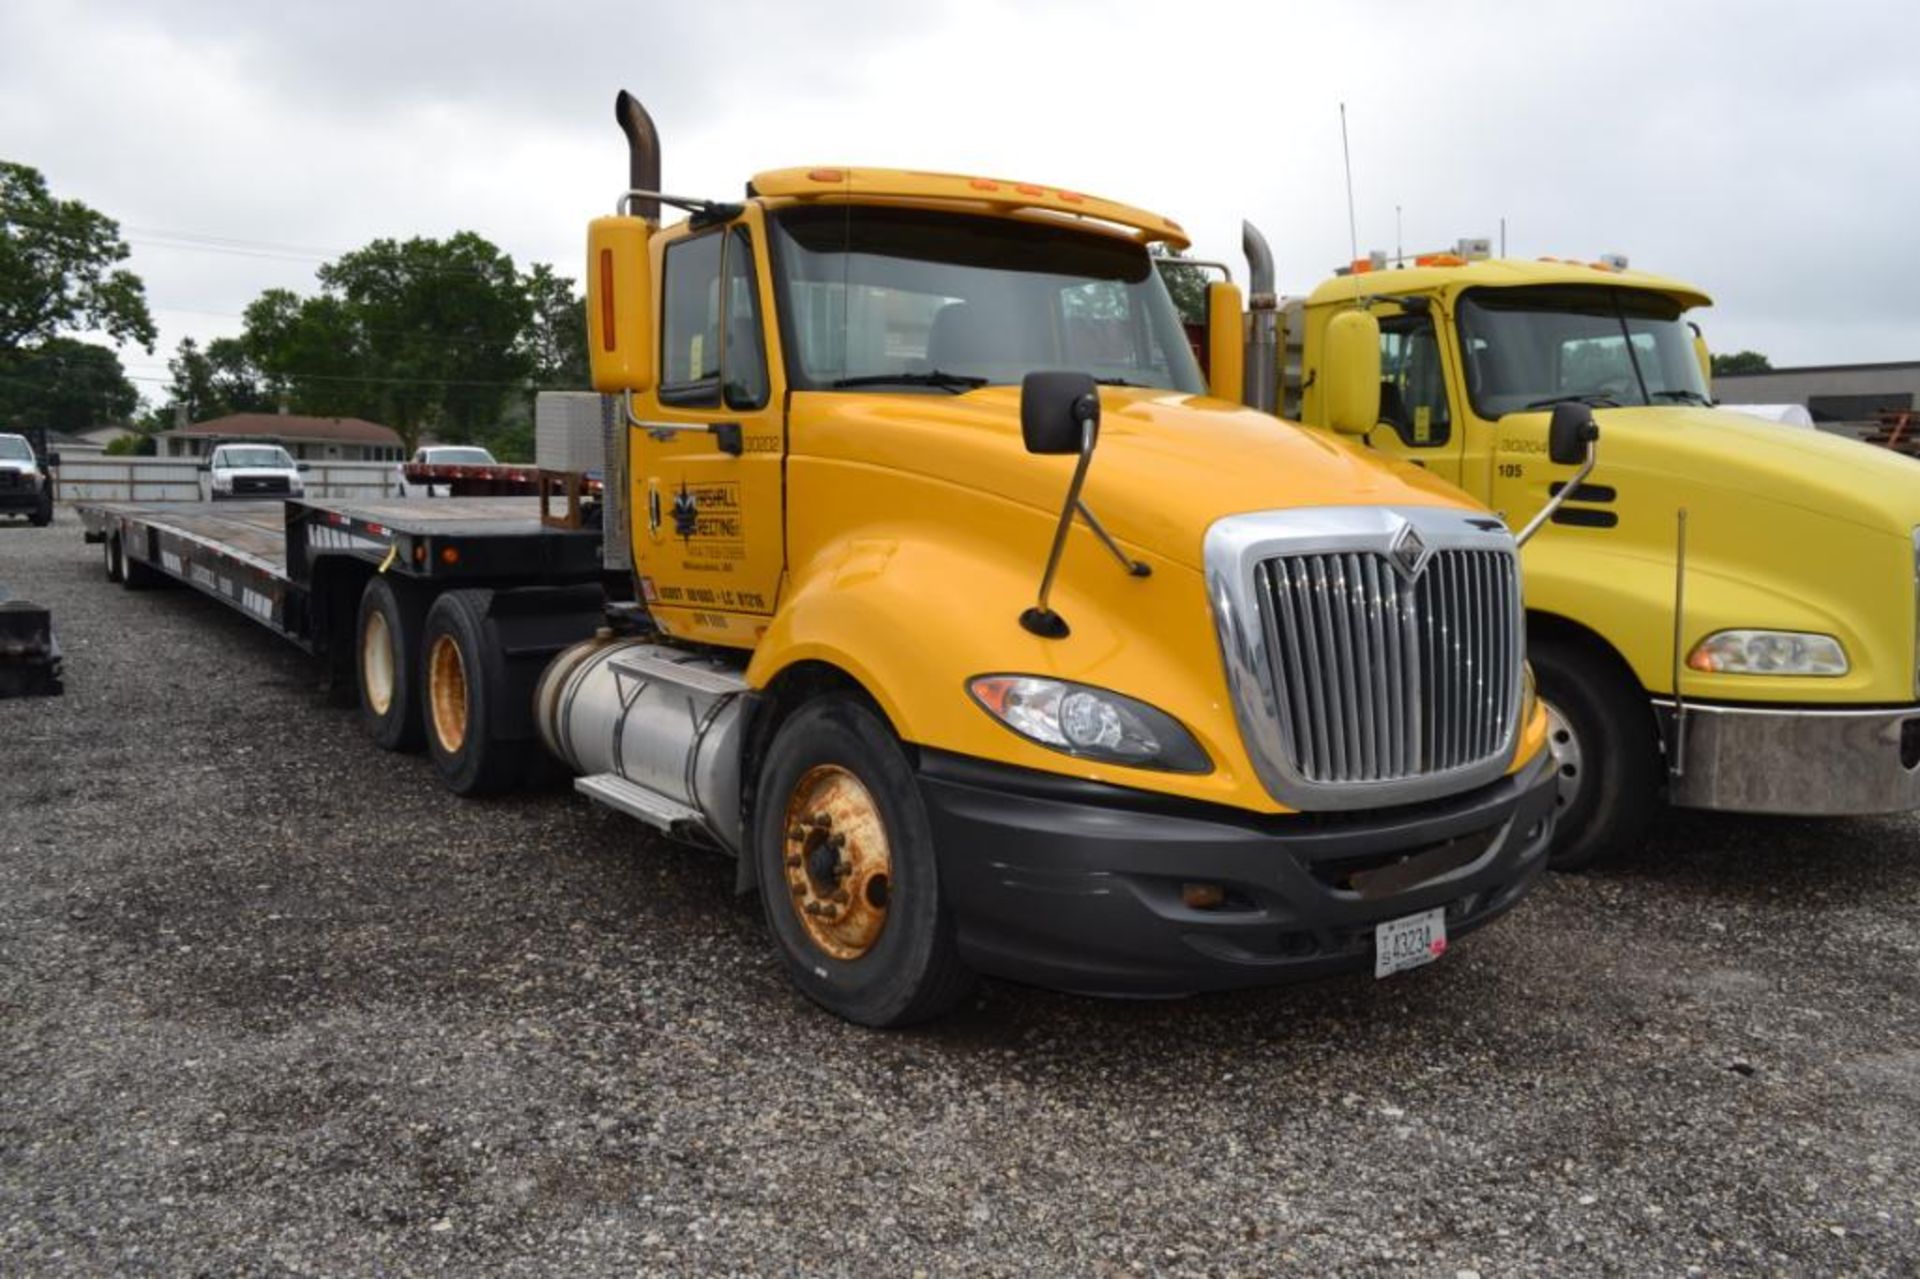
(134,575)
(1605,751)
(463,688)
(837,755)
(386,662)
(110,547)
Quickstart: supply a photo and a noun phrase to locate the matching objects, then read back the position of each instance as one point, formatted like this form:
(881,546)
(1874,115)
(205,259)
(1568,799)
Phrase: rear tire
(386,662)
(110,549)
(1606,751)
(837,755)
(134,575)
(463,690)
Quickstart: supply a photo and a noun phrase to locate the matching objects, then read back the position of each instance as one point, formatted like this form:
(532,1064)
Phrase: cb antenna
(1346,157)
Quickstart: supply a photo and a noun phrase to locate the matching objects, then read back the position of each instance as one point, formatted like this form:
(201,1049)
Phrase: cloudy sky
(1765,151)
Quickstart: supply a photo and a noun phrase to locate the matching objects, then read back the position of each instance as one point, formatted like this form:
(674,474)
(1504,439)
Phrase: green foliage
(63,384)
(57,269)
(1187,284)
(1741,362)
(138,445)
(555,342)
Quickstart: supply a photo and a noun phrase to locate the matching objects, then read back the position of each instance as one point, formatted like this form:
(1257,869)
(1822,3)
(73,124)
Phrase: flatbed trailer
(304,567)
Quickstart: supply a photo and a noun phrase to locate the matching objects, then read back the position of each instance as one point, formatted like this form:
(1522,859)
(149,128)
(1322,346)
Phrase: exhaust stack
(1263,329)
(643,152)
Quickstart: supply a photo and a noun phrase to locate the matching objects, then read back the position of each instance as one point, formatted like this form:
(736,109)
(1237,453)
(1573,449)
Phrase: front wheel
(1605,753)
(43,513)
(847,873)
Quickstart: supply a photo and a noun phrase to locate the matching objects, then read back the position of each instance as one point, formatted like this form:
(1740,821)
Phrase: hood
(1828,474)
(1168,464)
(18,464)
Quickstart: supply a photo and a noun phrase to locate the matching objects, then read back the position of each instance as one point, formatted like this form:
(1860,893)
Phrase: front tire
(1606,753)
(43,513)
(847,872)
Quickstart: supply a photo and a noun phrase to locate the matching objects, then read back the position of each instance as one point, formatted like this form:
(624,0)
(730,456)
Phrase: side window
(690,329)
(745,358)
(711,337)
(1413,388)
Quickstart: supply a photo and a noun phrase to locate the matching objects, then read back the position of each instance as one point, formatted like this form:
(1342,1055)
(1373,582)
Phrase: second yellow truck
(1725,611)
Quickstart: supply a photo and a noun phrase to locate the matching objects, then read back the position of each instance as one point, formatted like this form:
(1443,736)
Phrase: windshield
(915,298)
(1530,348)
(459,457)
(264,457)
(14,448)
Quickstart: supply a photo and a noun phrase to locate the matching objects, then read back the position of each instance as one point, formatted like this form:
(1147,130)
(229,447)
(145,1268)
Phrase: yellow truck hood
(1168,464)
(1827,474)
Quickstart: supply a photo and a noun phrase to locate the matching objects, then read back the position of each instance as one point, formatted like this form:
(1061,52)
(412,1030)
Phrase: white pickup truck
(251,471)
(25,487)
(440,455)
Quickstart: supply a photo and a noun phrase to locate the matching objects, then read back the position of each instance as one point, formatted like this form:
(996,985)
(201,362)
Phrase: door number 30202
(1511,470)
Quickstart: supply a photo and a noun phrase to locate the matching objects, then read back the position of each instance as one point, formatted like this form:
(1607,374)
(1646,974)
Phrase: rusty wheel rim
(839,867)
(376,662)
(447,693)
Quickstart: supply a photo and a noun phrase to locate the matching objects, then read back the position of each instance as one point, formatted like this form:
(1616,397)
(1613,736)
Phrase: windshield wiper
(1120,381)
(955,382)
(1594,398)
(1684,396)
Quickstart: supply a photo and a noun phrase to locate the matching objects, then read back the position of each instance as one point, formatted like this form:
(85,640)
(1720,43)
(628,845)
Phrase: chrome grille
(1380,677)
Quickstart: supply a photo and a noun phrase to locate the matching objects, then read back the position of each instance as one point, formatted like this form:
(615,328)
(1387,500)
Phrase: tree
(64,384)
(1741,362)
(555,342)
(437,326)
(1187,284)
(57,268)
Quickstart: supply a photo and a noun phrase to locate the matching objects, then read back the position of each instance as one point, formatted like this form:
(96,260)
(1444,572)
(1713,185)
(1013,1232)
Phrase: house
(90,443)
(309,439)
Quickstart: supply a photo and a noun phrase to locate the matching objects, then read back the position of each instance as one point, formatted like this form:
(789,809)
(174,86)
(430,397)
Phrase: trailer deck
(260,557)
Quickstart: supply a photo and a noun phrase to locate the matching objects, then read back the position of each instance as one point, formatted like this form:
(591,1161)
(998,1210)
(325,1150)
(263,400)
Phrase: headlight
(1089,722)
(223,481)
(1769,653)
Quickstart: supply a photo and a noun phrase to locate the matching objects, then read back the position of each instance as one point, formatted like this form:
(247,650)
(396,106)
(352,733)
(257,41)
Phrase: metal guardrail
(160,479)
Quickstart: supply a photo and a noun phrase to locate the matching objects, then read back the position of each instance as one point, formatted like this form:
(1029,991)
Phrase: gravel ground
(271,1002)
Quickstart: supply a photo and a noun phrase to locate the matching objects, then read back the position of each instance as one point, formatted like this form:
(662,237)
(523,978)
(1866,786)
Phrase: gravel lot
(271,1002)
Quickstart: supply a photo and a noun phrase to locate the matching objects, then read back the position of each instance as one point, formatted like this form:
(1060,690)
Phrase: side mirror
(303,466)
(1226,344)
(620,304)
(1055,411)
(1705,358)
(1350,373)
(1571,439)
(206,466)
(1569,434)
(53,459)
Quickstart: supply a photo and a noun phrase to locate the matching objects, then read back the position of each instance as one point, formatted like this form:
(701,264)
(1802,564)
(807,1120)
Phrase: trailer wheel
(1605,750)
(847,873)
(110,548)
(134,575)
(386,660)
(463,690)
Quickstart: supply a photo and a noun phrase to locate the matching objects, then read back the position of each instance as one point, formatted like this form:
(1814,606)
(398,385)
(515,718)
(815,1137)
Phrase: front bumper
(1821,762)
(19,501)
(1077,885)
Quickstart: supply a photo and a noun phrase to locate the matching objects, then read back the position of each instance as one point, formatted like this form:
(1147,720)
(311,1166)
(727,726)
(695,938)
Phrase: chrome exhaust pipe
(1263,328)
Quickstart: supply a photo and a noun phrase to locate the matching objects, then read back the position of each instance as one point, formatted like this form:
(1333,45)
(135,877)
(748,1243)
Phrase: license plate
(1409,942)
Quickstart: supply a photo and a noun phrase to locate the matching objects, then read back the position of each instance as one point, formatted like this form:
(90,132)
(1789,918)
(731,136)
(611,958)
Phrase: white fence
(165,479)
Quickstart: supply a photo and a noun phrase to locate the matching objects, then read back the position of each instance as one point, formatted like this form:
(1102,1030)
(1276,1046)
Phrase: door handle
(726,435)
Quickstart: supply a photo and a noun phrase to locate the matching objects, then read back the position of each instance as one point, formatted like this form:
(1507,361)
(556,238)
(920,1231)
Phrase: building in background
(1843,398)
(309,439)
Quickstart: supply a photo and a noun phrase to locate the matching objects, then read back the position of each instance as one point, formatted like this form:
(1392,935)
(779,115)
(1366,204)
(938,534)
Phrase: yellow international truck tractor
(1723,610)
(932,587)
(989,642)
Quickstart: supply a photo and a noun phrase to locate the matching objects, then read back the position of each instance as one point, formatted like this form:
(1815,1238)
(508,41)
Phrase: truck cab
(1724,610)
(986,640)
